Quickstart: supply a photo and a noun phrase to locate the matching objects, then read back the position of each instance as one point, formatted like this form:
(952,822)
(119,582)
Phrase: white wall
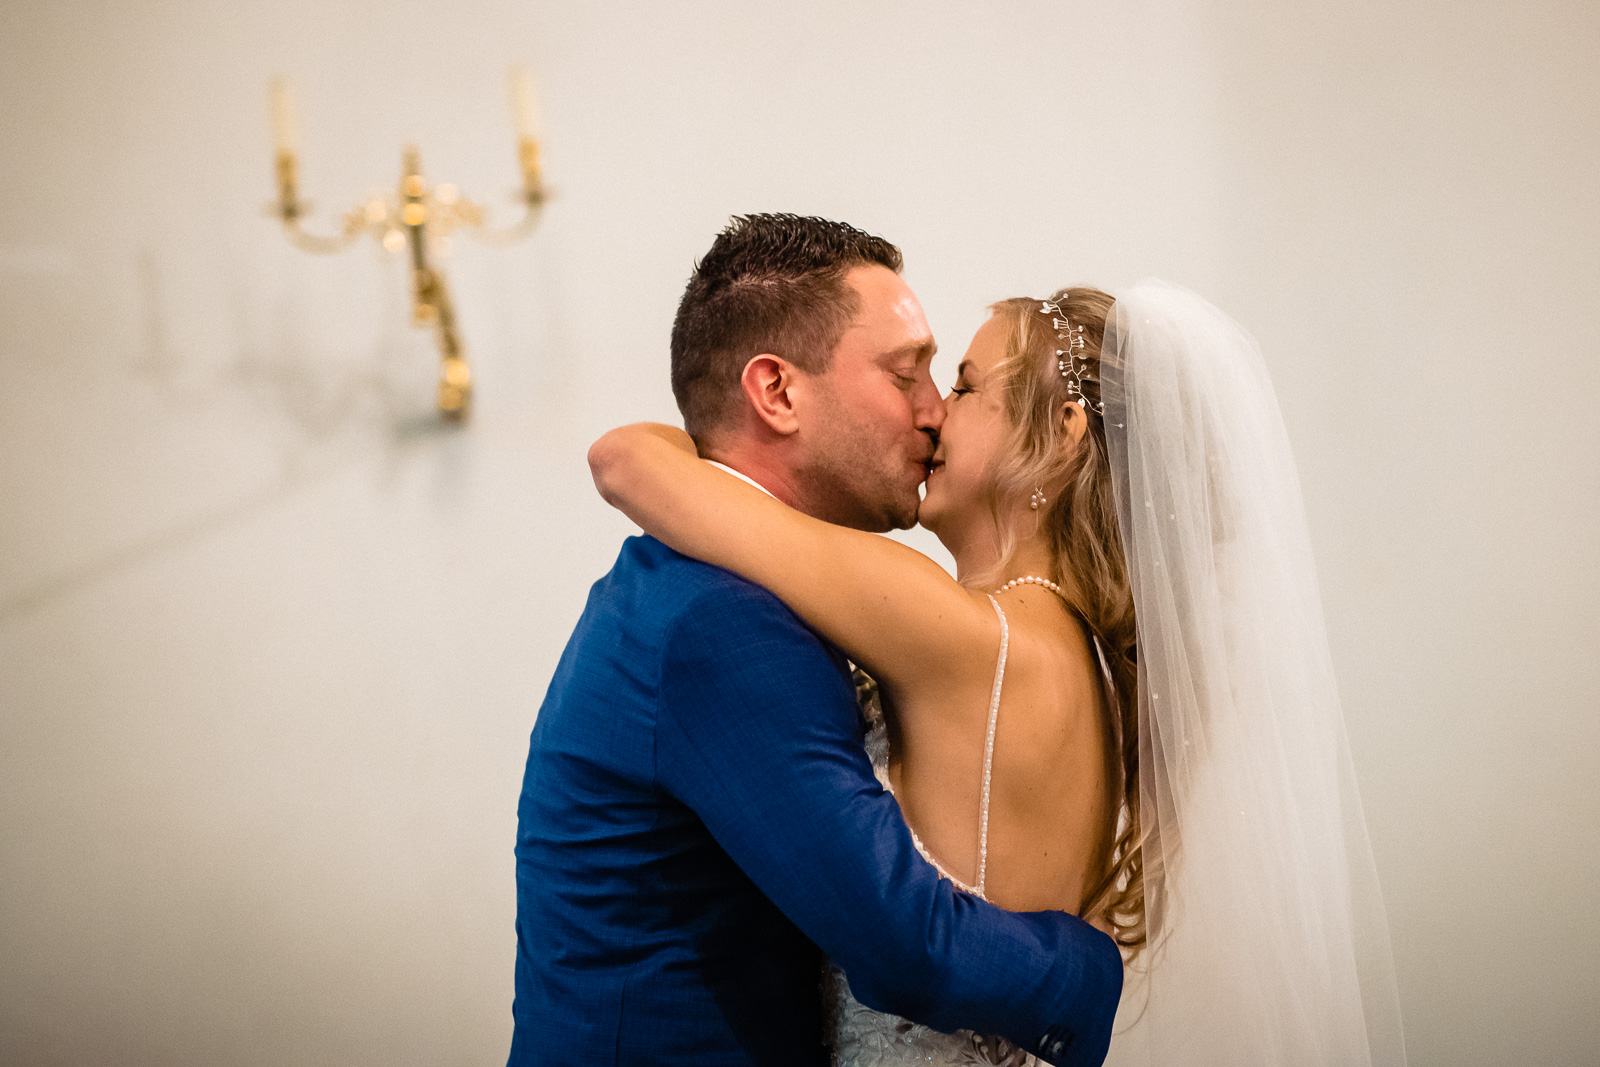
(271,644)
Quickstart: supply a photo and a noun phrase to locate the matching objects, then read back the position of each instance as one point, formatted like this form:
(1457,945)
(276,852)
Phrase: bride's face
(956,504)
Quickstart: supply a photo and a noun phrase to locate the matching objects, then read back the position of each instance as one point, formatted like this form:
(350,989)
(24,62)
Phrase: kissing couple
(798,796)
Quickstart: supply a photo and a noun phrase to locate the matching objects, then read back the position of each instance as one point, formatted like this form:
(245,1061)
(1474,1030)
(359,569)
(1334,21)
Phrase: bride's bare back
(1053,778)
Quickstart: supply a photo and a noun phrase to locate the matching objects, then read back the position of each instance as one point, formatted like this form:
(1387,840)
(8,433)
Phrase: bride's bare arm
(892,609)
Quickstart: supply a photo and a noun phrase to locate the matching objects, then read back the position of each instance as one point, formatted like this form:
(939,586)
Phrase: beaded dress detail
(862,1037)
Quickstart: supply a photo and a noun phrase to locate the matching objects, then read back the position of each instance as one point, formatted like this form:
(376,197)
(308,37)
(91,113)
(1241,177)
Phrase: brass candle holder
(415,217)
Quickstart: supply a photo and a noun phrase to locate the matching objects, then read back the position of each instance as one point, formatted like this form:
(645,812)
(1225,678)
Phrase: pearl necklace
(1029,579)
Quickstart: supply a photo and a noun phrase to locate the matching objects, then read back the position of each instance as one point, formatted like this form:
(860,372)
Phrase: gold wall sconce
(413,219)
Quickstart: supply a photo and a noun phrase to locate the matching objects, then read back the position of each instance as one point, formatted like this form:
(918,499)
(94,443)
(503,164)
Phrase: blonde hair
(1079,522)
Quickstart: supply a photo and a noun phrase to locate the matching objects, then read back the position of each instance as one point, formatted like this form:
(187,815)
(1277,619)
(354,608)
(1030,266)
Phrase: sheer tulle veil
(1268,943)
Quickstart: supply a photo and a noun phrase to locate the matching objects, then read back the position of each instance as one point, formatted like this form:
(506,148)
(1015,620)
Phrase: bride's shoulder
(1053,650)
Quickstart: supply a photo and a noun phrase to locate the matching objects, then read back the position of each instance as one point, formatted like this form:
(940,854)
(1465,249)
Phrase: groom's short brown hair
(770,283)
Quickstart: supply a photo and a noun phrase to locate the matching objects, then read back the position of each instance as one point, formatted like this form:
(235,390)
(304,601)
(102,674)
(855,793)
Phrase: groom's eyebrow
(918,350)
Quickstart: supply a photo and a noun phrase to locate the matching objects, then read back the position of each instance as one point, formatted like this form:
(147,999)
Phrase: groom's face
(872,418)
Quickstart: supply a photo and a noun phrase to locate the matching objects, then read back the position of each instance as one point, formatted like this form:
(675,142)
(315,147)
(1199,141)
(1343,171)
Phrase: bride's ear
(1074,424)
(768,382)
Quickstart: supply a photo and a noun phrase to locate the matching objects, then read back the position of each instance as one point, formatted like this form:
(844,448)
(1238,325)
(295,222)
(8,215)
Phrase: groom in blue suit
(699,823)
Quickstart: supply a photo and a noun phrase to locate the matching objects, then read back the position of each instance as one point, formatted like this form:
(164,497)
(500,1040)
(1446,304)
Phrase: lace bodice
(862,1037)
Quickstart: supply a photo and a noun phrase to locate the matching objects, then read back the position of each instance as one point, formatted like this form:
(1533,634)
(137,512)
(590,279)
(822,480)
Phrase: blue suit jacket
(698,816)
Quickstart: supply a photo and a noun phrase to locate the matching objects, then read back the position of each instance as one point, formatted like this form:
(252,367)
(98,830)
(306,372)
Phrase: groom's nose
(927,408)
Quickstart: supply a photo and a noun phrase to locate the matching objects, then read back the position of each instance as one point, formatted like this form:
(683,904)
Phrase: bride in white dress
(1122,706)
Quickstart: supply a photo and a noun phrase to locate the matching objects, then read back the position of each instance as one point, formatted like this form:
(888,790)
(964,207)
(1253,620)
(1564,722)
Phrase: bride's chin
(930,512)
(945,518)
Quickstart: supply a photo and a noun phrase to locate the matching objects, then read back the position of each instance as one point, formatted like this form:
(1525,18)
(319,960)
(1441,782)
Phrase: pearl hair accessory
(1037,500)
(1067,358)
(1031,579)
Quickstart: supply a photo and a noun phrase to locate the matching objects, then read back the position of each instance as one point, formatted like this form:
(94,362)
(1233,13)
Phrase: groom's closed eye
(908,362)
(905,373)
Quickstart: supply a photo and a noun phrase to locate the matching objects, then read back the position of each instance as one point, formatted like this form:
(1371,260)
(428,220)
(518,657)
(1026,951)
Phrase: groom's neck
(762,466)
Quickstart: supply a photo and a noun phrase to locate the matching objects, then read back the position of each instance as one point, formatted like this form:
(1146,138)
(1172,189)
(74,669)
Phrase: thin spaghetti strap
(988,749)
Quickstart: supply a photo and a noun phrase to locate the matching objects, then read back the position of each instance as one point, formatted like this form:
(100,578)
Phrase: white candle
(285,128)
(524,104)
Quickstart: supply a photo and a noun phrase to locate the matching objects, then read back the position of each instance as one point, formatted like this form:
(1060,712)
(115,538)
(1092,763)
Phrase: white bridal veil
(1269,944)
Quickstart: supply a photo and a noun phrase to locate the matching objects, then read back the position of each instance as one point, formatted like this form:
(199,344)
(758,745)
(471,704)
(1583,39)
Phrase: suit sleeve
(759,735)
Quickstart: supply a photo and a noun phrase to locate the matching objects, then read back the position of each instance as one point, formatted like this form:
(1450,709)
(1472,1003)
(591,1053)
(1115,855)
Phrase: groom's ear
(768,382)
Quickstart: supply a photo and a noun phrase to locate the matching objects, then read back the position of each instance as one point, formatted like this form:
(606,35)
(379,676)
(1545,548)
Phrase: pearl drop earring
(1037,499)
